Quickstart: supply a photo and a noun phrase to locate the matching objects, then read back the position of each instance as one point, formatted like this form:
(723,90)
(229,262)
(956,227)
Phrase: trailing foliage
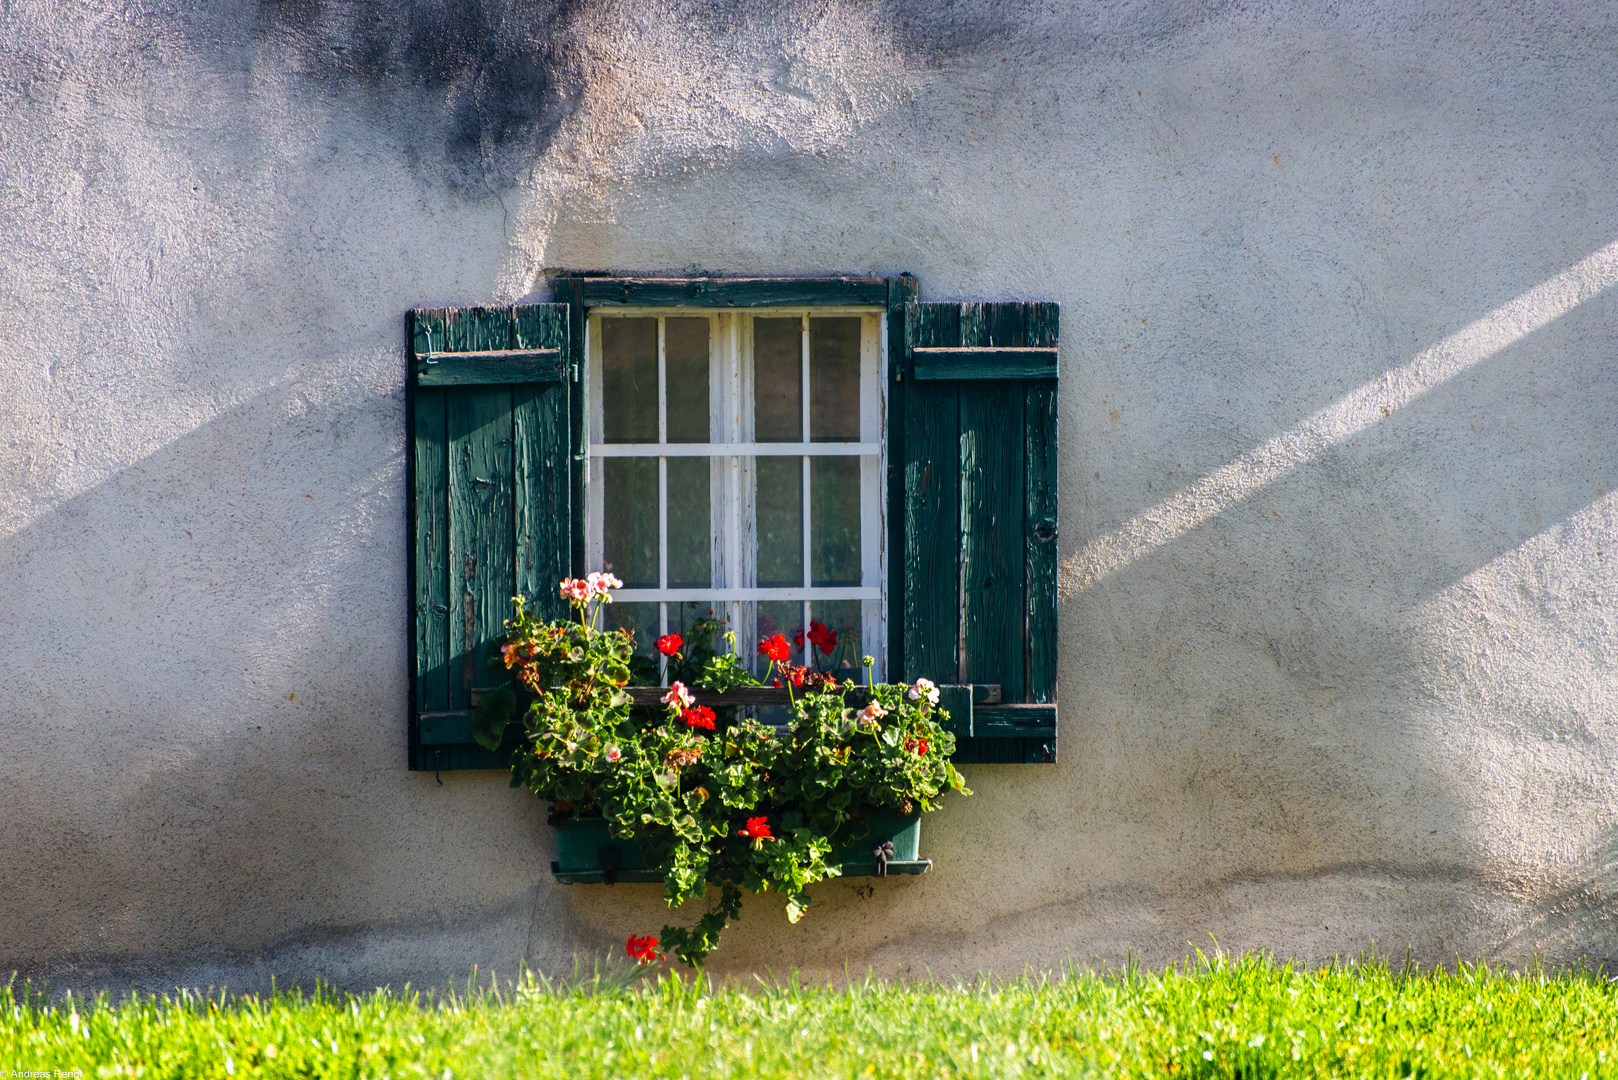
(711,796)
(1214,1018)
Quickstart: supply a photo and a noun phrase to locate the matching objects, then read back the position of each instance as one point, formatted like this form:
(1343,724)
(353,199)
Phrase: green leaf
(490,718)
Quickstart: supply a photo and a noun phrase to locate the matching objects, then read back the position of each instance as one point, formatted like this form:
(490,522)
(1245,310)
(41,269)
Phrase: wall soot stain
(492,80)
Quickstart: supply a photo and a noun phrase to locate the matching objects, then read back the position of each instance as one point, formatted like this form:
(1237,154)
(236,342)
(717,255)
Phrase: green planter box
(587,854)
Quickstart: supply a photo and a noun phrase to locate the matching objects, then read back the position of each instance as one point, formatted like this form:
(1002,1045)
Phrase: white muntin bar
(684,596)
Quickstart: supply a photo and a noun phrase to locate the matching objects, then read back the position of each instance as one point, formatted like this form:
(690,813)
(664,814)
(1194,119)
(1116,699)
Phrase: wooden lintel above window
(730,292)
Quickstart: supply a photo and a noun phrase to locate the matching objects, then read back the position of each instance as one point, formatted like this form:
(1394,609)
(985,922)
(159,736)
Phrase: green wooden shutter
(490,504)
(973,455)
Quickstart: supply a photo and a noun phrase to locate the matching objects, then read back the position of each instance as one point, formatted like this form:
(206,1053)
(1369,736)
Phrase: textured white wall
(1339,647)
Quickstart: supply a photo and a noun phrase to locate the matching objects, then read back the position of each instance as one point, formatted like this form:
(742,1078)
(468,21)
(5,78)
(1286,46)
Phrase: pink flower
(576,590)
(599,584)
(679,697)
(872,713)
(613,753)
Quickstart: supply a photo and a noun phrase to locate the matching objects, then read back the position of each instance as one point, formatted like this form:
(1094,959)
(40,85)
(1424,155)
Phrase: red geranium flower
(822,637)
(699,717)
(757,828)
(670,644)
(917,745)
(642,948)
(776,648)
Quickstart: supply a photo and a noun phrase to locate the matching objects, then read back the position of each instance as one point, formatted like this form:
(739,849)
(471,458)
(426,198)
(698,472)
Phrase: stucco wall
(1339,646)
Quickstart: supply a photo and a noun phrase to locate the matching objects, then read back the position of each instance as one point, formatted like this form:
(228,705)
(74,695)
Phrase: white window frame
(731,483)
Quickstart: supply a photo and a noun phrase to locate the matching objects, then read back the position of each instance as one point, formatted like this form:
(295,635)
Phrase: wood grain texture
(733,292)
(1040,521)
(902,292)
(541,463)
(1000,539)
(931,516)
(482,557)
(984,364)
(429,569)
(447,369)
(430,554)
(490,503)
(991,530)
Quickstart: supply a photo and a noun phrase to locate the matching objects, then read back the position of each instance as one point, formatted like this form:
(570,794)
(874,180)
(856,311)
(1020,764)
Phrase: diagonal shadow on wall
(229,800)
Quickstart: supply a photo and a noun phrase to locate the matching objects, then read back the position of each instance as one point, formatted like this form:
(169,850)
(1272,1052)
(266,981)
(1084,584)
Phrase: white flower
(924,688)
(613,753)
(679,697)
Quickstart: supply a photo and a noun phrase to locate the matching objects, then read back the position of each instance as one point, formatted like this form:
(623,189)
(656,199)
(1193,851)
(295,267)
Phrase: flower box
(587,854)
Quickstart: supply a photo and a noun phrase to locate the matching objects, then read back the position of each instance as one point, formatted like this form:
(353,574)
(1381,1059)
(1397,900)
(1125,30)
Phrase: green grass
(1248,1018)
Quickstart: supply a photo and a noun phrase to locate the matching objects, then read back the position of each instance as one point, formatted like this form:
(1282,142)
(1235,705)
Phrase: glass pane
(835,629)
(834,504)
(639,618)
(834,380)
(777,380)
(629,381)
(701,626)
(684,617)
(780,522)
(685,353)
(779,617)
(629,532)
(690,535)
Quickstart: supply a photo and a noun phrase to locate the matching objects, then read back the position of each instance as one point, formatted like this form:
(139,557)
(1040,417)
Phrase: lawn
(1208,1017)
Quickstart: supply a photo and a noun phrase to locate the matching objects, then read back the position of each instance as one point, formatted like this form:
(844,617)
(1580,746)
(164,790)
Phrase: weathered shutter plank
(991,537)
(1039,439)
(932,479)
(984,362)
(901,294)
(448,369)
(491,508)
(540,498)
(430,577)
(995,363)
(481,577)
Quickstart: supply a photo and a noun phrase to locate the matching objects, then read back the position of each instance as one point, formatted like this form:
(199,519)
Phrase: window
(781,450)
(735,466)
